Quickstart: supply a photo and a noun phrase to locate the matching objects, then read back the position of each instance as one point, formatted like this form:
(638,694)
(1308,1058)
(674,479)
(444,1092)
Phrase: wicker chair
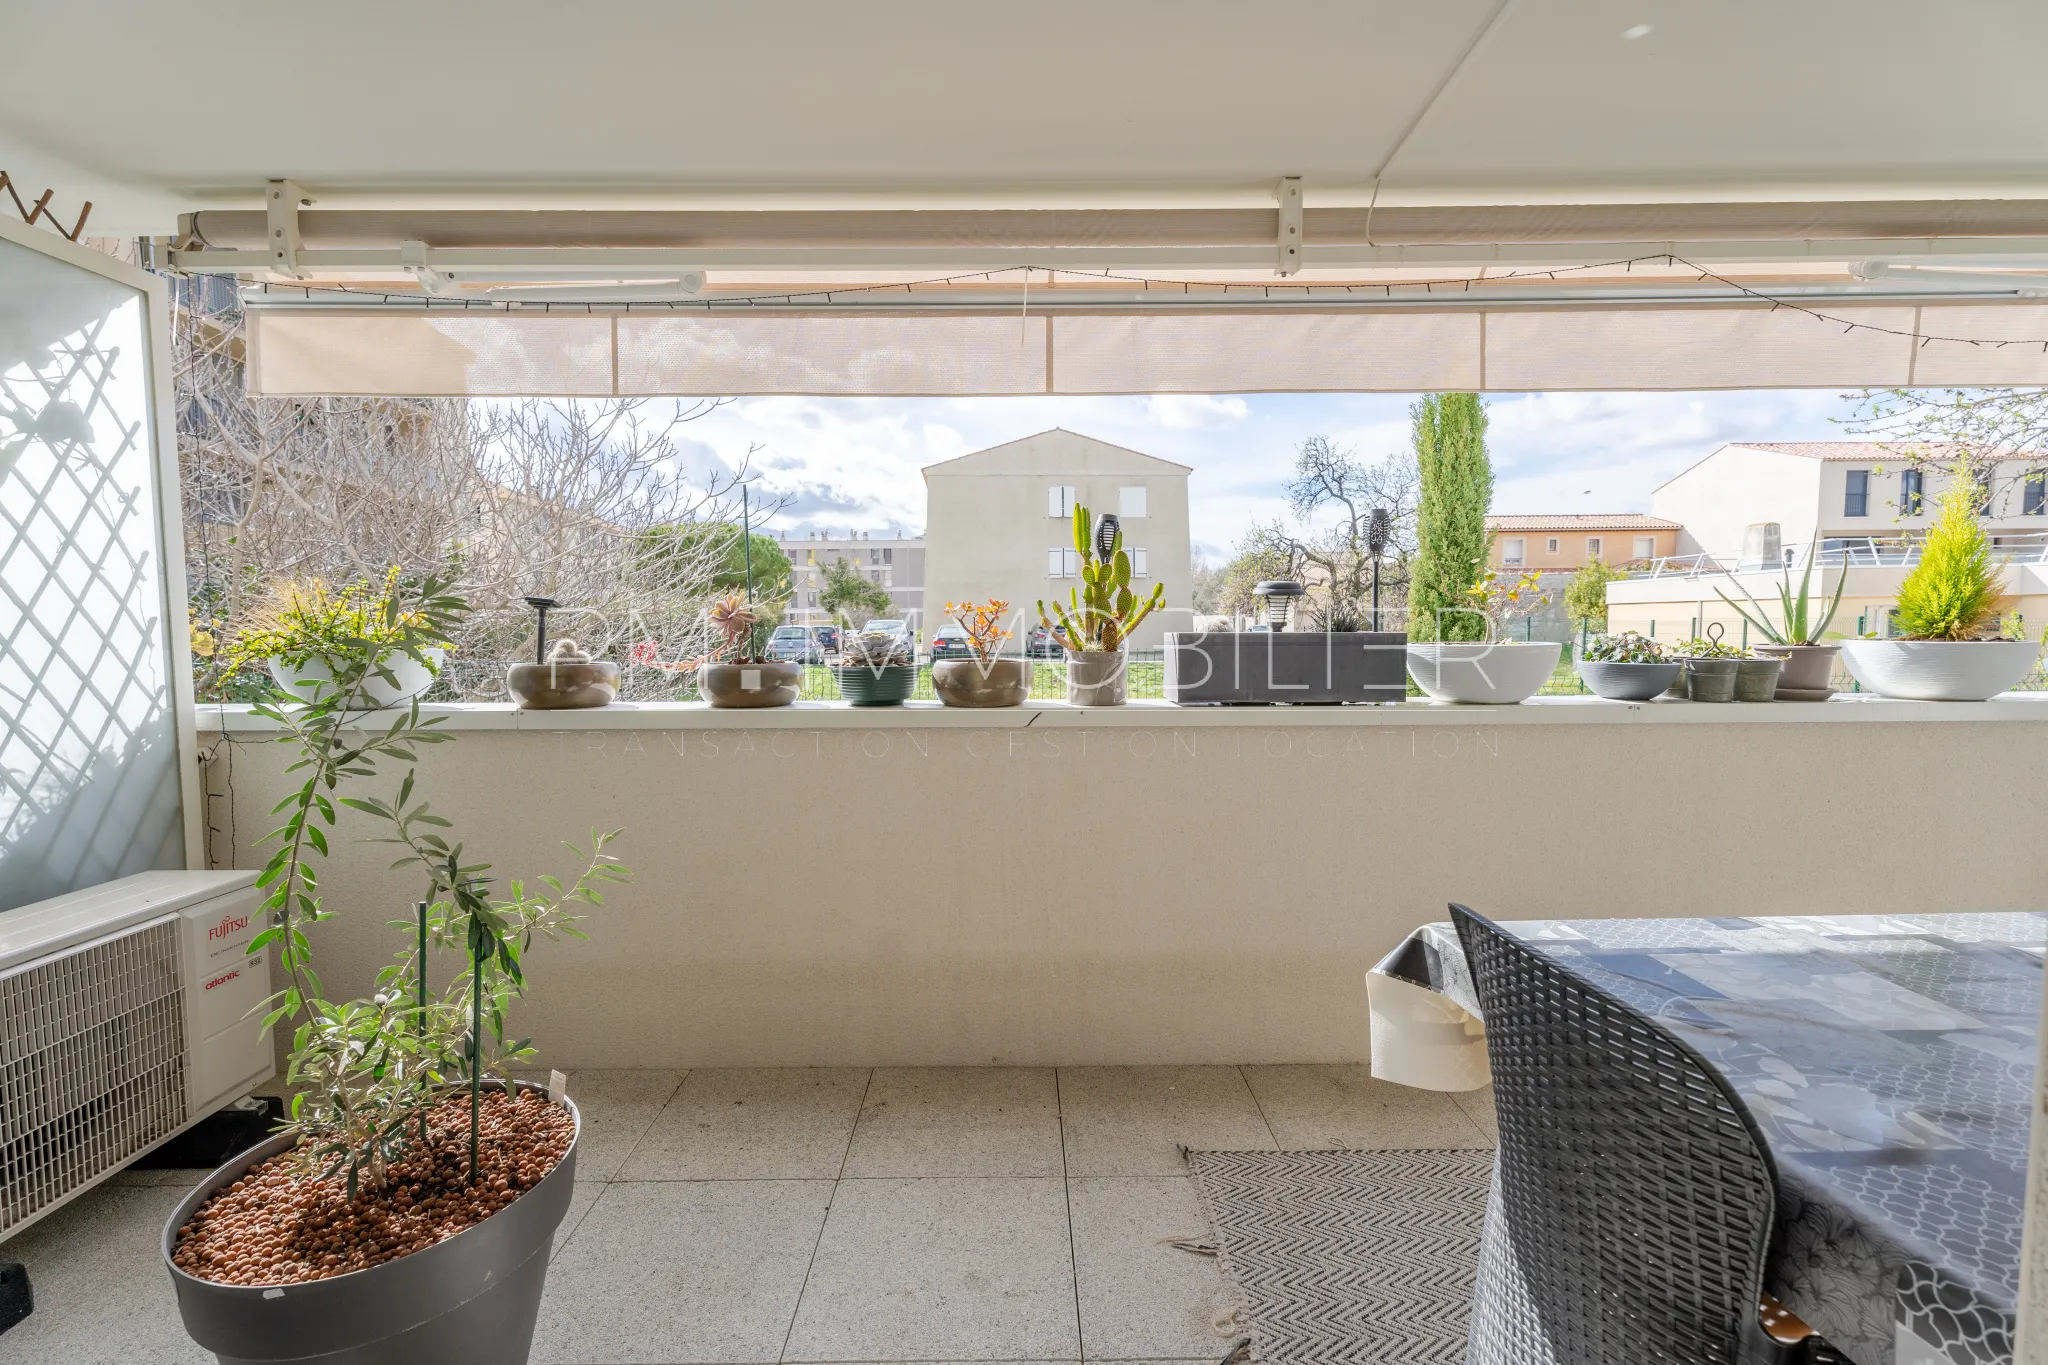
(1633,1197)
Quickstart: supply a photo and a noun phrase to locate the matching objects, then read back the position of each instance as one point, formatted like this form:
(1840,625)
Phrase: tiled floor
(930,1215)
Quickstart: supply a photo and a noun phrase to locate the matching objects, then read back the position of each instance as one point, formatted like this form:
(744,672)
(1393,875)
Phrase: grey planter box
(1302,668)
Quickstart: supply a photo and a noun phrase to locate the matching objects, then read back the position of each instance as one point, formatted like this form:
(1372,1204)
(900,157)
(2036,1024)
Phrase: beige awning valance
(417,351)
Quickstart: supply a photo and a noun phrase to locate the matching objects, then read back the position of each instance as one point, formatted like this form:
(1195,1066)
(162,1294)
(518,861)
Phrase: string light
(794,298)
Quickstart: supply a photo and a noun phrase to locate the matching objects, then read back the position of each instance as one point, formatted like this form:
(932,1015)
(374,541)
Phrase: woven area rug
(1349,1258)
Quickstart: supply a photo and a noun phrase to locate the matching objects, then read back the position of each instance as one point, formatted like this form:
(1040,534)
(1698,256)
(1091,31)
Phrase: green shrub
(1953,593)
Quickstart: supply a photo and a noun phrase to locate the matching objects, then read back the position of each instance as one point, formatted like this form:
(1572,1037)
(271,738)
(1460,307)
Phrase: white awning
(416,350)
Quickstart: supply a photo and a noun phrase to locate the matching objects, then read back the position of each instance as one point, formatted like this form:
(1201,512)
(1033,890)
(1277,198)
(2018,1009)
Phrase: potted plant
(1808,664)
(1626,667)
(406,1209)
(1712,666)
(1099,616)
(985,680)
(1335,661)
(309,630)
(875,668)
(1952,646)
(736,673)
(1492,671)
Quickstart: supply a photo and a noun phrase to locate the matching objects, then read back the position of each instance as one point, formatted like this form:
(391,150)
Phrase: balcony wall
(825,886)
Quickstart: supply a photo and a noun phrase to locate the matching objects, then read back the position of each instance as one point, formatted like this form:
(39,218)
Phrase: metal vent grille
(92,1063)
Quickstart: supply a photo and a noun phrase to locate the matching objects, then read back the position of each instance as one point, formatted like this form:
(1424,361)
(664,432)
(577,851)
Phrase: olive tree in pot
(987,679)
(403,1214)
(1626,667)
(1808,663)
(1953,647)
(1100,616)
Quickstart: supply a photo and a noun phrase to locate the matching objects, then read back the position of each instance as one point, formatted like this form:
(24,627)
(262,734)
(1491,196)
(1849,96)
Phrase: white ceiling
(152,108)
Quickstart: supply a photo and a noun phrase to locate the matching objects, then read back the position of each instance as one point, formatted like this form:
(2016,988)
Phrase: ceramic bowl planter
(314,679)
(1710,679)
(1757,679)
(1498,673)
(569,680)
(978,684)
(1625,681)
(1940,670)
(1097,677)
(1808,671)
(471,1299)
(876,684)
(773,682)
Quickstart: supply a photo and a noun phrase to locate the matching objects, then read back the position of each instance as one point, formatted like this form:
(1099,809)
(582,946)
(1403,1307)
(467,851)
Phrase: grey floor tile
(1133,1120)
(1323,1108)
(618,1108)
(941,1269)
(102,1294)
(1478,1106)
(581,1199)
(777,1123)
(943,1121)
(678,1271)
(1141,1299)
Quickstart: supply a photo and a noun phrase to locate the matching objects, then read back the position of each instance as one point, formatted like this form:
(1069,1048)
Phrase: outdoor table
(1888,1060)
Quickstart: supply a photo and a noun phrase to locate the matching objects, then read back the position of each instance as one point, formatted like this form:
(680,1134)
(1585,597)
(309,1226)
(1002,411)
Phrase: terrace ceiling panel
(1062,103)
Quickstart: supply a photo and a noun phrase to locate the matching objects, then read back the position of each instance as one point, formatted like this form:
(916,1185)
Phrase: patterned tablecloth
(1889,1061)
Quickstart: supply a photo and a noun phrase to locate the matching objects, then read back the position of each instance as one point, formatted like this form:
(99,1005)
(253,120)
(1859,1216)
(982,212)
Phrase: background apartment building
(999,523)
(1563,543)
(896,565)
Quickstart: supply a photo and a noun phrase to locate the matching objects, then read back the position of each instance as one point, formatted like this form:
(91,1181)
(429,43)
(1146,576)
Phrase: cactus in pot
(1099,617)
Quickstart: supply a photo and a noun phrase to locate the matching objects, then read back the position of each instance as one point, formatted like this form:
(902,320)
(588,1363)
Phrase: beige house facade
(999,524)
(1563,543)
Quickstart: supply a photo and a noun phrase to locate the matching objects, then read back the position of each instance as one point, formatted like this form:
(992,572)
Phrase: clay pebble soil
(275,1225)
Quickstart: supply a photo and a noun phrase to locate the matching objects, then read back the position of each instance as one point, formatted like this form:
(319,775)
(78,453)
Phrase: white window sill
(819,715)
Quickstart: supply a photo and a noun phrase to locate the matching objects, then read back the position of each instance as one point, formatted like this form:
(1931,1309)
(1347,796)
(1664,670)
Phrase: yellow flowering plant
(310,619)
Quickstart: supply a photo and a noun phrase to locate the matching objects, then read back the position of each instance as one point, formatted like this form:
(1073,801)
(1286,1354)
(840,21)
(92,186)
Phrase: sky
(850,464)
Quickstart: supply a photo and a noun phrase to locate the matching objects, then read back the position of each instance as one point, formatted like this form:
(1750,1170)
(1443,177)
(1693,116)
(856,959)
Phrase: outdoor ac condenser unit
(124,1019)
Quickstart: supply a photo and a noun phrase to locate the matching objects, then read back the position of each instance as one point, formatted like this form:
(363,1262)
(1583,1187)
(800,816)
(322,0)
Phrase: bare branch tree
(1333,486)
(531,497)
(1990,432)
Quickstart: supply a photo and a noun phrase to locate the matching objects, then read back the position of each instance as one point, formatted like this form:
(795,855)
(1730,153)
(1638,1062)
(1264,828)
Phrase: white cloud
(1184,411)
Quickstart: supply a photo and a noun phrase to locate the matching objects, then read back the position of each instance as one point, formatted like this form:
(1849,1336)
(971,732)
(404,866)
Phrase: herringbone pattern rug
(1349,1258)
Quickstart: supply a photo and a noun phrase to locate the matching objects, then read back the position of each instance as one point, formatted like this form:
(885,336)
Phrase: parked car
(797,644)
(950,642)
(826,636)
(1040,644)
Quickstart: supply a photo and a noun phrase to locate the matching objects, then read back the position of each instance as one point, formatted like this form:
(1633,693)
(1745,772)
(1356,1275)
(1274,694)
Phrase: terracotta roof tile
(1583,521)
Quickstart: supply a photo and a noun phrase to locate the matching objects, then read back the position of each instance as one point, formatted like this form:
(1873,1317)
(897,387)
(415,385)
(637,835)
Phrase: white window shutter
(1130,502)
(1073,563)
(1137,563)
(1059,500)
(1055,562)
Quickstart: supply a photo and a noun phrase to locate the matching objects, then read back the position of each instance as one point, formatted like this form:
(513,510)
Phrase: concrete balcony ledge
(1057,715)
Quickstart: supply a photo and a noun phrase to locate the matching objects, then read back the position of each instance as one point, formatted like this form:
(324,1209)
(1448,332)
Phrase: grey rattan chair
(1633,1197)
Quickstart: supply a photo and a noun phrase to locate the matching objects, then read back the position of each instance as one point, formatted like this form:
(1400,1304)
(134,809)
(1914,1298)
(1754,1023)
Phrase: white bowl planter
(314,678)
(1497,673)
(1939,670)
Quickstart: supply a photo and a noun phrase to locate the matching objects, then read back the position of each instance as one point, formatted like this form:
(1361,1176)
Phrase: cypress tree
(1450,524)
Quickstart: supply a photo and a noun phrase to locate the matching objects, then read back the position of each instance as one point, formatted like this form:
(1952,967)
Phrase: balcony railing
(1855,552)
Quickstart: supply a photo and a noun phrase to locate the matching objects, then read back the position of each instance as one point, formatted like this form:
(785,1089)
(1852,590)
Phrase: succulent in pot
(1097,620)
(876,668)
(567,680)
(1953,646)
(1796,640)
(736,673)
(372,644)
(405,1210)
(1712,666)
(986,679)
(1626,666)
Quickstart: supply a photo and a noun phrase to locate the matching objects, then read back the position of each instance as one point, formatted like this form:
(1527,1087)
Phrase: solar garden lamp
(1278,594)
(541,605)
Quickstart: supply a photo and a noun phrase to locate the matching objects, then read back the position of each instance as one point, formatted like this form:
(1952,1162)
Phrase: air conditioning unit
(125,1018)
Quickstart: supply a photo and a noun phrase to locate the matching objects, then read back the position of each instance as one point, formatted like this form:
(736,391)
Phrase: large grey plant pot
(1302,668)
(1627,682)
(1096,678)
(470,1300)
(1809,670)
